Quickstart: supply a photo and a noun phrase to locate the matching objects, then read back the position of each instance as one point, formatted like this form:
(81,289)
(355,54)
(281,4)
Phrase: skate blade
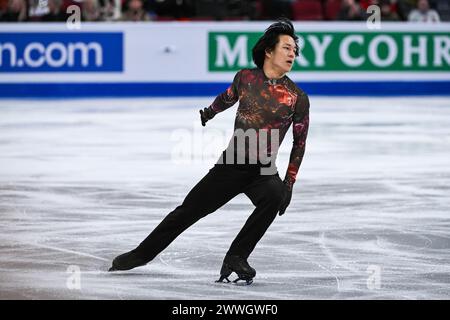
(237,282)
(243,282)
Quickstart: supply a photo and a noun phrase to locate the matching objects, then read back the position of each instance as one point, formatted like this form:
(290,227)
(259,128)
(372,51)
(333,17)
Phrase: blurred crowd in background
(428,11)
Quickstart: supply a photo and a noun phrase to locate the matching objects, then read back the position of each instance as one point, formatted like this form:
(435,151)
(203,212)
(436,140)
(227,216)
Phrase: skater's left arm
(300,133)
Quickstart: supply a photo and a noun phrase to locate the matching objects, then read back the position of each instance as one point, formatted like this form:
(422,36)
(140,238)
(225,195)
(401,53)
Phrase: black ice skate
(127,261)
(238,265)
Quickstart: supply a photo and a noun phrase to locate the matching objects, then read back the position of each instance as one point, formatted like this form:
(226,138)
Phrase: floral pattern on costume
(266,104)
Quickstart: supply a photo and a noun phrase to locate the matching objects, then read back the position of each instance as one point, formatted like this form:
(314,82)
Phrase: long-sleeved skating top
(268,104)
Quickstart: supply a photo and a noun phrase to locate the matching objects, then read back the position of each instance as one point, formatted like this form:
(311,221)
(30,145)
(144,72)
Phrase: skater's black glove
(286,198)
(205,115)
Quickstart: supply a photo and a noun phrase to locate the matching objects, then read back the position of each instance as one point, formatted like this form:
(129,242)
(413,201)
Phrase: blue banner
(61,52)
(212,89)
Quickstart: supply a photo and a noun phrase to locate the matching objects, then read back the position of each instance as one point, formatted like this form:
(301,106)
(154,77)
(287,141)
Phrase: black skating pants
(220,185)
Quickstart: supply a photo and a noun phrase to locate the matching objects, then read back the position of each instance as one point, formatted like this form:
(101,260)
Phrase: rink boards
(166,59)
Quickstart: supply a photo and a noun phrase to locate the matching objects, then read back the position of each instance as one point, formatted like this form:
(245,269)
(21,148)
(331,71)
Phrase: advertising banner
(201,59)
(341,51)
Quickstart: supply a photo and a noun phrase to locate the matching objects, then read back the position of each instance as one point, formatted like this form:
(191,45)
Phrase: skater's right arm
(223,101)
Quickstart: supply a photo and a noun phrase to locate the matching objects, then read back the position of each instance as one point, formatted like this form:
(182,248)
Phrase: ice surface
(82,181)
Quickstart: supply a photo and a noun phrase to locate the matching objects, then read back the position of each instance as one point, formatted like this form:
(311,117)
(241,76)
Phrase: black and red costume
(264,104)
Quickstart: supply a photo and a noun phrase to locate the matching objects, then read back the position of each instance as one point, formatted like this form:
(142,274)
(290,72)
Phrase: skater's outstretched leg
(128,260)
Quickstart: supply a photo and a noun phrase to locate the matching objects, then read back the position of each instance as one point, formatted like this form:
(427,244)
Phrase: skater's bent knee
(274,192)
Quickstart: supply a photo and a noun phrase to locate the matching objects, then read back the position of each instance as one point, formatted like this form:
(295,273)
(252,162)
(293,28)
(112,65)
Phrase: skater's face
(281,59)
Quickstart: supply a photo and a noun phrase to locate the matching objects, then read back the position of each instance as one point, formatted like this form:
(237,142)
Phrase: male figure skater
(268,103)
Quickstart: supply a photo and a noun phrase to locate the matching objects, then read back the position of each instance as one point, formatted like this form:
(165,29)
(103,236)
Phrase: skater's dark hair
(270,39)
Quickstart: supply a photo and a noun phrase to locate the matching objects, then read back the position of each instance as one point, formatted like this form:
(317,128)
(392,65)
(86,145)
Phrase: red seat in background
(307,10)
(332,8)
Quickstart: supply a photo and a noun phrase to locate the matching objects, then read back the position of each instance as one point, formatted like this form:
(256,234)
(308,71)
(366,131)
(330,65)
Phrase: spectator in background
(110,10)
(404,7)
(388,12)
(350,10)
(442,7)
(55,12)
(134,11)
(16,11)
(273,9)
(3,8)
(423,13)
(90,11)
(182,9)
(36,9)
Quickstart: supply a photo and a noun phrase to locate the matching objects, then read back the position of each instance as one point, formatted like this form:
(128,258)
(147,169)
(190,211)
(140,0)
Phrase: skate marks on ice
(407,251)
(85,181)
(308,263)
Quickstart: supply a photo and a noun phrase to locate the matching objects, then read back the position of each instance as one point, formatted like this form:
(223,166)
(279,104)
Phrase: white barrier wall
(193,56)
